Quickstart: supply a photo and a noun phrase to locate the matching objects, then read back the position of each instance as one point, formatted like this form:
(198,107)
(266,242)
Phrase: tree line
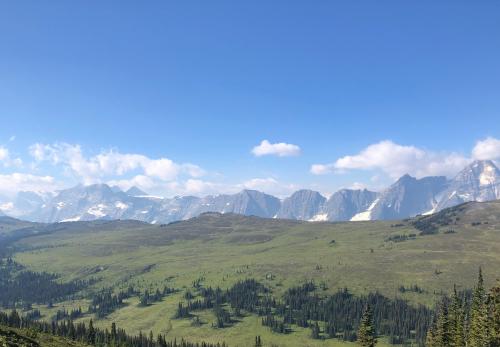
(88,334)
(467,320)
(21,286)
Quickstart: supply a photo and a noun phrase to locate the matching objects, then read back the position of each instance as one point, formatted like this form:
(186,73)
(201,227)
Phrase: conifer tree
(91,334)
(366,331)
(457,317)
(442,334)
(430,340)
(478,331)
(495,315)
(114,334)
(315,334)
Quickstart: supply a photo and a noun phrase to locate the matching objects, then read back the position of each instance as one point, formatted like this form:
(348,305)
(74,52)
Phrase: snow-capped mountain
(96,201)
(99,201)
(408,196)
(480,181)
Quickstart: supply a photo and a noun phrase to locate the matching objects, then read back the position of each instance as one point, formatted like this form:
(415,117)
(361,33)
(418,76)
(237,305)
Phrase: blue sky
(368,90)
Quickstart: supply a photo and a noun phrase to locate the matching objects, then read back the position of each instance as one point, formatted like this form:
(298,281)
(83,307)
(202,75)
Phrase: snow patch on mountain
(97,211)
(121,205)
(320,217)
(7,206)
(487,176)
(74,219)
(365,215)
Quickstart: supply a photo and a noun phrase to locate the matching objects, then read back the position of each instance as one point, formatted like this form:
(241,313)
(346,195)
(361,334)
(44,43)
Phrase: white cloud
(164,169)
(7,160)
(200,187)
(4,153)
(396,160)
(322,169)
(358,186)
(193,170)
(12,183)
(168,189)
(487,149)
(280,149)
(110,163)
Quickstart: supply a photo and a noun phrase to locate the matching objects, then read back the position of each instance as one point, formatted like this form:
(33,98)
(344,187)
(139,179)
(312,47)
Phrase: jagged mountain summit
(303,204)
(348,204)
(480,181)
(407,197)
(134,191)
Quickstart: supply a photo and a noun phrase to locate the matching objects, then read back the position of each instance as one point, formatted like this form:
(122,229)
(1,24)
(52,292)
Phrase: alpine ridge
(407,197)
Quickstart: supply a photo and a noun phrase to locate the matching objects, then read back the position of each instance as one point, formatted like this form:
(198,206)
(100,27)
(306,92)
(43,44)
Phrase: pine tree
(366,332)
(478,331)
(495,315)
(113,334)
(456,317)
(442,334)
(430,340)
(315,333)
(91,334)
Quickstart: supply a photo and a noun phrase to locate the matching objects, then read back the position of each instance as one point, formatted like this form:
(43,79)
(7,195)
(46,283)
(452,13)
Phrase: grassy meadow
(222,249)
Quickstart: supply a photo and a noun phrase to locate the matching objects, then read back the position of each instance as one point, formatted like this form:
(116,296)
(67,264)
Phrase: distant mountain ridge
(407,197)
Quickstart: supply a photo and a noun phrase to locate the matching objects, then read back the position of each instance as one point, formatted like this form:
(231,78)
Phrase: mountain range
(407,197)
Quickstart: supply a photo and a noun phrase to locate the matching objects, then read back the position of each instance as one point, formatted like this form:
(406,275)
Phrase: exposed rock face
(303,204)
(408,197)
(347,203)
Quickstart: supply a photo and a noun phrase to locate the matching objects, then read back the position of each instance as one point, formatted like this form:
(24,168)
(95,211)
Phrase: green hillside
(430,253)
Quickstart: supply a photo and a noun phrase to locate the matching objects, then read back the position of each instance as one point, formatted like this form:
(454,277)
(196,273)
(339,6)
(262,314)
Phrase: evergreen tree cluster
(20,286)
(411,289)
(341,312)
(333,316)
(467,320)
(90,335)
(34,314)
(149,298)
(275,324)
(105,302)
(222,317)
(244,295)
(430,224)
(64,314)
